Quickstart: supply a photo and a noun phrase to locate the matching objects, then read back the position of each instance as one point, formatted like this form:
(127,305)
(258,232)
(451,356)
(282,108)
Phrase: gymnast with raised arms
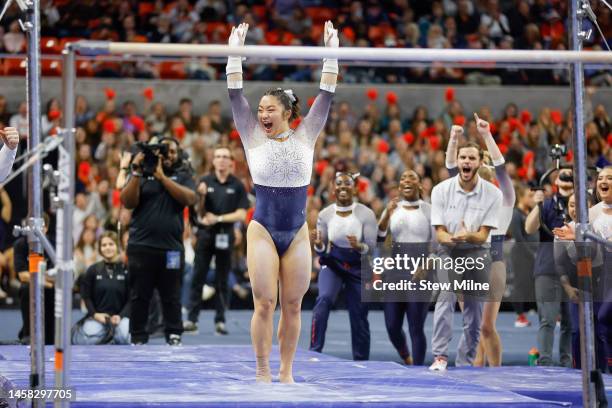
(280,160)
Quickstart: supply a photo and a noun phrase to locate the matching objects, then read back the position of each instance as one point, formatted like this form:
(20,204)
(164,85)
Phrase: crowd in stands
(470,24)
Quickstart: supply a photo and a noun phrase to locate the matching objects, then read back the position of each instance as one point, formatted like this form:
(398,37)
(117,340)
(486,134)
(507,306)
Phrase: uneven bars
(343,53)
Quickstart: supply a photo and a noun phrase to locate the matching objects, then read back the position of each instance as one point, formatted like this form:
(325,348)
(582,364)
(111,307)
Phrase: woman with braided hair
(345,232)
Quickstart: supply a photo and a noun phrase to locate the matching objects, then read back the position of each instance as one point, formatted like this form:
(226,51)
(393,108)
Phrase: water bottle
(534,354)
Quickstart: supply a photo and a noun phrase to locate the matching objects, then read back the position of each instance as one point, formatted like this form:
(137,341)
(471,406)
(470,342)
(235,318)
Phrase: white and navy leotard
(281,171)
(334,229)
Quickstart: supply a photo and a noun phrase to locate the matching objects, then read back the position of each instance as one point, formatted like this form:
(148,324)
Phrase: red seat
(50,45)
(145,8)
(67,40)
(84,68)
(14,67)
(172,70)
(259,12)
(51,67)
(320,15)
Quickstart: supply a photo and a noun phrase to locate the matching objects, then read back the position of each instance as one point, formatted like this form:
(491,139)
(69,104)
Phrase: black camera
(556,151)
(152,152)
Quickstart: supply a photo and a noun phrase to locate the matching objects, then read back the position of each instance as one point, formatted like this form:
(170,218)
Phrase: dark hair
(108,234)
(475,146)
(285,100)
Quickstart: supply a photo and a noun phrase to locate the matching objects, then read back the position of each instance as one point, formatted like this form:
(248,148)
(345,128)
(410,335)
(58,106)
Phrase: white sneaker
(207,292)
(439,364)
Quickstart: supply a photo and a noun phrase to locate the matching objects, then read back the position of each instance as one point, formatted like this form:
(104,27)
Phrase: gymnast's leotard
(281,171)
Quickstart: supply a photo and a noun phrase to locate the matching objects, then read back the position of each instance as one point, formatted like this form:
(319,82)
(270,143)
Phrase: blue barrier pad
(548,383)
(126,376)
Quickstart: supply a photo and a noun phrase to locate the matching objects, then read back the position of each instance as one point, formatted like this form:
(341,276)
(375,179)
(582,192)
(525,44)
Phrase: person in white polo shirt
(464,210)
(10,141)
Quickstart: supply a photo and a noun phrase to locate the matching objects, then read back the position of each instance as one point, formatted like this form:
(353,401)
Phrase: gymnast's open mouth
(267,125)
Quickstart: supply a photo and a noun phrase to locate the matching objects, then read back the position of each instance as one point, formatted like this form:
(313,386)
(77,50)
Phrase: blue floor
(129,376)
(219,370)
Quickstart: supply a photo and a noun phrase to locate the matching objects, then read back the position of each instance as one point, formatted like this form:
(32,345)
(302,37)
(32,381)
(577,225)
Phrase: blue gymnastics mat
(545,383)
(223,376)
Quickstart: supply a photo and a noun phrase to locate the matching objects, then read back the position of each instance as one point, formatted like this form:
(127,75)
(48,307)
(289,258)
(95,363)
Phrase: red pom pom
(179,132)
(459,120)
(110,93)
(513,122)
(138,123)
(391,98)
(569,156)
(311,101)
(372,94)
(526,117)
(148,93)
(556,117)
(503,148)
(234,135)
(528,157)
(310,191)
(521,129)
(430,131)
(249,215)
(109,126)
(295,123)
(383,146)
(610,139)
(506,139)
(434,142)
(362,185)
(84,171)
(522,173)
(449,95)
(493,128)
(409,138)
(54,114)
(116,198)
(320,166)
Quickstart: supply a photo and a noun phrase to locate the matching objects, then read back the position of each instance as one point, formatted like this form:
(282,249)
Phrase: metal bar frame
(575,58)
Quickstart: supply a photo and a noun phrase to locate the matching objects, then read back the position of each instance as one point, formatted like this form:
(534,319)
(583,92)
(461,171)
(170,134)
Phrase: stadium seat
(84,69)
(50,45)
(145,8)
(320,15)
(172,70)
(51,67)
(14,66)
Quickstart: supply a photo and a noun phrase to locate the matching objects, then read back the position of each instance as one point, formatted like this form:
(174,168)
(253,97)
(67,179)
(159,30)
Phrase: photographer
(223,201)
(549,294)
(158,196)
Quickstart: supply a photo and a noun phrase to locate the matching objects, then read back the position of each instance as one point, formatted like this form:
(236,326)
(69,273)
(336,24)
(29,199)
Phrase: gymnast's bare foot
(262,372)
(286,378)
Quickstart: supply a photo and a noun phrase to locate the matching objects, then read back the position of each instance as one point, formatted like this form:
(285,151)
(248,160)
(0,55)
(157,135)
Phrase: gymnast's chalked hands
(330,35)
(238,34)
(10,137)
(482,126)
(456,132)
